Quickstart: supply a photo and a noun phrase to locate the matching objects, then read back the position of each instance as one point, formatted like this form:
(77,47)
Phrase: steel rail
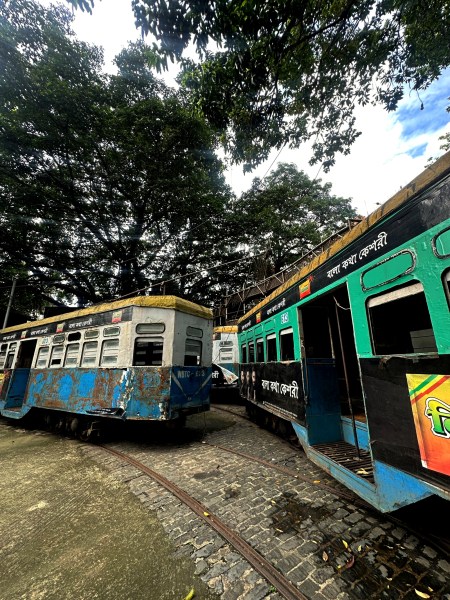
(439,543)
(282,585)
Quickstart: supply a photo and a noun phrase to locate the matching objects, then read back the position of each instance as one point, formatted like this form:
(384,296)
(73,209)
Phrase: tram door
(20,374)
(330,365)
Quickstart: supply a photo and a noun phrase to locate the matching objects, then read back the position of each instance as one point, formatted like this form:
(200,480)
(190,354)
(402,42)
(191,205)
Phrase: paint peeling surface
(135,393)
(167,392)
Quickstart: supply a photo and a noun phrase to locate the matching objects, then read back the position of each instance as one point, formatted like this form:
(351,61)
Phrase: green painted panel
(442,244)
(391,269)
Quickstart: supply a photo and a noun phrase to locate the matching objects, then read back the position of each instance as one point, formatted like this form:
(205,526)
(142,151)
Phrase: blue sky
(416,121)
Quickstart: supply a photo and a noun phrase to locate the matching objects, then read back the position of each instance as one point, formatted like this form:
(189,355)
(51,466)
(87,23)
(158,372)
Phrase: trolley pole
(11,295)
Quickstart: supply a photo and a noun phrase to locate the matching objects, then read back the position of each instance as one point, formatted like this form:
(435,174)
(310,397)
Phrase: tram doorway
(331,370)
(20,375)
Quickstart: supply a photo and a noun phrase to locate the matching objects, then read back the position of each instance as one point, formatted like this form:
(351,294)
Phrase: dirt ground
(68,530)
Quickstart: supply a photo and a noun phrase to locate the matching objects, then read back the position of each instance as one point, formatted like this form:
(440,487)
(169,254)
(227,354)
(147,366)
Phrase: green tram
(354,350)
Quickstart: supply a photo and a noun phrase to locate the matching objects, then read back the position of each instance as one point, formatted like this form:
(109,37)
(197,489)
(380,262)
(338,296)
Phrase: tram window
(3,349)
(287,344)
(244,353)
(148,352)
(192,353)
(447,284)
(401,323)
(74,336)
(59,338)
(111,331)
(71,355)
(150,328)
(42,357)
(225,355)
(260,350)
(194,332)
(91,334)
(110,351)
(56,357)
(89,356)
(10,355)
(271,348)
(251,352)
(9,360)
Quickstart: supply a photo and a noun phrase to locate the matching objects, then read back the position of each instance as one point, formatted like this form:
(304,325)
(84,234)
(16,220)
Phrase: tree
(289,71)
(108,184)
(287,215)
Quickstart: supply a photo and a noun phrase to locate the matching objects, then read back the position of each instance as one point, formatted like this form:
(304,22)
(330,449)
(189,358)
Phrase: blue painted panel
(76,390)
(162,392)
(233,367)
(361,433)
(17,386)
(323,410)
(148,393)
(138,392)
(396,488)
(392,488)
(190,387)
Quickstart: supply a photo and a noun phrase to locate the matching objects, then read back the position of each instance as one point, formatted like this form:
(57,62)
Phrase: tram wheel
(89,432)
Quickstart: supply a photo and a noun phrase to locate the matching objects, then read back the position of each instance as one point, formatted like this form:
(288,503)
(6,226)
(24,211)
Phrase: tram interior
(328,334)
(335,404)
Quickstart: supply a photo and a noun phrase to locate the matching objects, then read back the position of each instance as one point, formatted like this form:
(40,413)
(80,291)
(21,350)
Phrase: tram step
(346,455)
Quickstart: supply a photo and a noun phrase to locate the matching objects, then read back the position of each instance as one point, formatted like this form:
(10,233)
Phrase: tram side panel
(139,363)
(179,381)
(389,355)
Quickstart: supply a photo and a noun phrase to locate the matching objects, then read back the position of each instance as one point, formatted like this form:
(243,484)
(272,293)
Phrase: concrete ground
(69,530)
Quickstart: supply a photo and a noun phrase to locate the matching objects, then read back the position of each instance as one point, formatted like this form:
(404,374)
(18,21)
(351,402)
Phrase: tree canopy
(286,215)
(108,184)
(277,72)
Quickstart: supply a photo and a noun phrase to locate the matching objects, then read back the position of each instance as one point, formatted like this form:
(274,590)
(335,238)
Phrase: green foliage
(108,184)
(287,215)
(289,71)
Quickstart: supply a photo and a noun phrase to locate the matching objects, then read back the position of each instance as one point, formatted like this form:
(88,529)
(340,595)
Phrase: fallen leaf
(422,594)
(206,514)
(351,561)
(316,481)
(325,556)
(360,548)
(345,544)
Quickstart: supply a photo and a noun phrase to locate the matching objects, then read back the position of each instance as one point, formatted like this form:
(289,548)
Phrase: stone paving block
(248,498)
(258,592)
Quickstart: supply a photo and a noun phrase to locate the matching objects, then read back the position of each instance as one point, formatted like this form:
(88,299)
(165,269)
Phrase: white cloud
(379,164)
(382,160)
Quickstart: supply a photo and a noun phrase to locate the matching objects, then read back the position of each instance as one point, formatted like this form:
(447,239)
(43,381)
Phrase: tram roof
(171,302)
(431,175)
(226,329)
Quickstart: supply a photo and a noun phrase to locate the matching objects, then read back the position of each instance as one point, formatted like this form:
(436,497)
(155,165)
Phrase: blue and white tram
(143,358)
(225,358)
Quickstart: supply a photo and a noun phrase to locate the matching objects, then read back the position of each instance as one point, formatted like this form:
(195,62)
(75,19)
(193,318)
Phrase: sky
(393,148)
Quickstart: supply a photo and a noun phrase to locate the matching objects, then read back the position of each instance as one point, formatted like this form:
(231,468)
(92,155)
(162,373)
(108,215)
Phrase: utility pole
(10,300)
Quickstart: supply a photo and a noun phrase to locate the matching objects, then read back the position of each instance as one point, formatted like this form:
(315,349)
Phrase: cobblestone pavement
(329,548)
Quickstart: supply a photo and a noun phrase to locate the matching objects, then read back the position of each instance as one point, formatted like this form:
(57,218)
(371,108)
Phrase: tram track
(442,544)
(282,585)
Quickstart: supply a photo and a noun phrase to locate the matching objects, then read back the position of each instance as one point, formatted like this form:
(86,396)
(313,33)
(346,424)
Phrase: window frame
(413,288)
(150,339)
(115,343)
